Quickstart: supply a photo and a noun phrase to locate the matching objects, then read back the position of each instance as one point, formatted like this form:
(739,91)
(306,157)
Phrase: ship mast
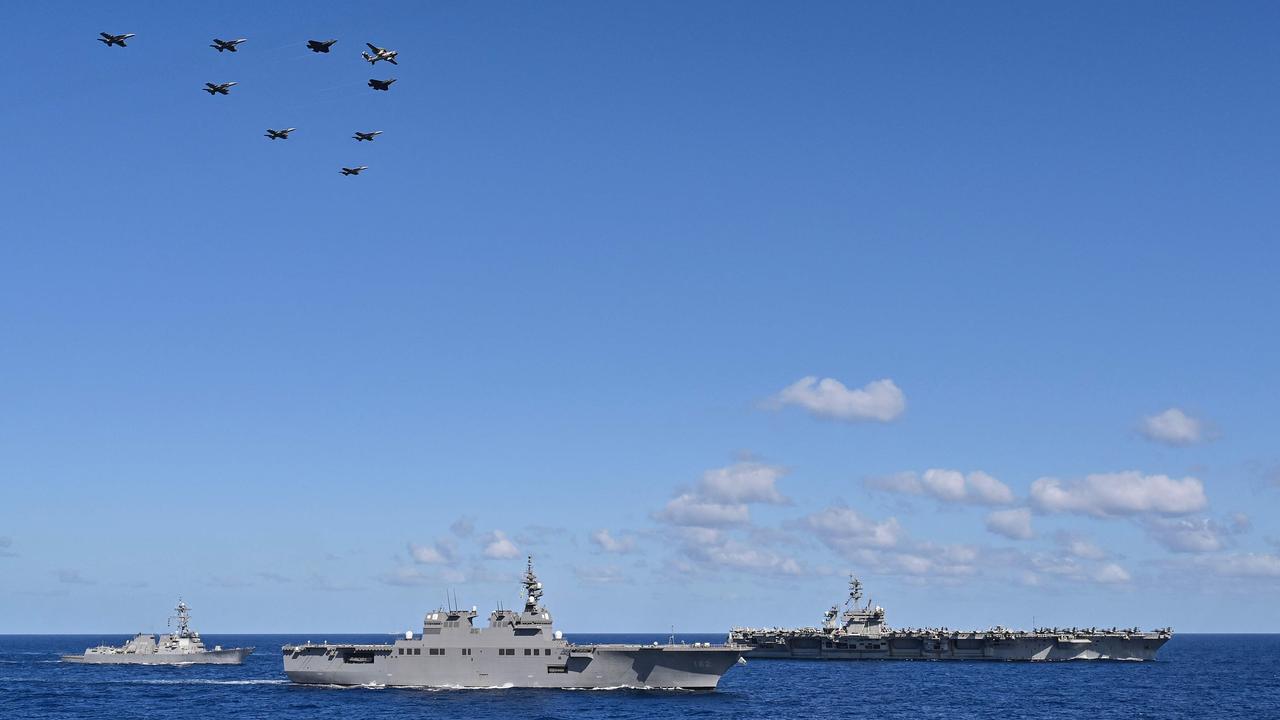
(532,588)
(183,617)
(855,591)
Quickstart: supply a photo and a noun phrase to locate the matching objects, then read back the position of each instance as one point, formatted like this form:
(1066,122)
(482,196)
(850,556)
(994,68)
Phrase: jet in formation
(279,134)
(219,89)
(379,54)
(108,39)
(320,46)
(366,136)
(381,84)
(221,45)
(354,170)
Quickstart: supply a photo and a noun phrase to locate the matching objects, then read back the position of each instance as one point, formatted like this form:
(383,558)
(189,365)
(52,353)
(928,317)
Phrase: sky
(704,305)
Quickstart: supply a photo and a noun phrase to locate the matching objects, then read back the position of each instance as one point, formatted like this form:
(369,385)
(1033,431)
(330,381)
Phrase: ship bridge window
(527,651)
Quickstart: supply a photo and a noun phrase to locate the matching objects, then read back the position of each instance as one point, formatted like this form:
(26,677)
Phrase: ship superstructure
(181,647)
(861,633)
(516,649)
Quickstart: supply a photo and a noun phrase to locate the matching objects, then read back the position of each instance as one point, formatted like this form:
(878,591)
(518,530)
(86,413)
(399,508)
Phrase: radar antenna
(855,591)
(183,617)
(532,588)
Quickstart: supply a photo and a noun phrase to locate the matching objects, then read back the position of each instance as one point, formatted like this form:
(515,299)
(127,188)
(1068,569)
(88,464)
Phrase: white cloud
(879,400)
(1117,494)
(1172,427)
(743,482)
(737,555)
(463,527)
(610,544)
(1079,547)
(439,553)
(1263,565)
(1196,535)
(1042,567)
(1110,574)
(722,495)
(949,486)
(689,509)
(986,490)
(843,528)
(500,547)
(1014,524)
(919,560)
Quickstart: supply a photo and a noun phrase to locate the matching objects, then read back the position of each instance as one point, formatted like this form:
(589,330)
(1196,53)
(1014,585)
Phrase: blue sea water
(1196,676)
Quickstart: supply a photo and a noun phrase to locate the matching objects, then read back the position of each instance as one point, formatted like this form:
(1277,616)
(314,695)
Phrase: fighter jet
(354,170)
(108,39)
(279,134)
(381,84)
(219,89)
(366,136)
(320,45)
(379,54)
(221,45)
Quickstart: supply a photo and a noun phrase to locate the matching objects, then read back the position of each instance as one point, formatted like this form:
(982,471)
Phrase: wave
(152,681)
(205,681)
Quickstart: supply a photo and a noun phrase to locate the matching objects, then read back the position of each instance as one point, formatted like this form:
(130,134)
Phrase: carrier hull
(516,650)
(569,667)
(979,646)
(861,633)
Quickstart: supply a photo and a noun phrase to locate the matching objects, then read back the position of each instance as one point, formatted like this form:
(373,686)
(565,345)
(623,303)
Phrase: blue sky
(704,305)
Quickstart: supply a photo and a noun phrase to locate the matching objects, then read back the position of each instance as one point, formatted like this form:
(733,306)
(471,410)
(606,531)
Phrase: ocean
(1196,676)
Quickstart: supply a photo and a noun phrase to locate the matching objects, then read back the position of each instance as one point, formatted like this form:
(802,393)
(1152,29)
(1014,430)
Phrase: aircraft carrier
(860,633)
(515,650)
(183,647)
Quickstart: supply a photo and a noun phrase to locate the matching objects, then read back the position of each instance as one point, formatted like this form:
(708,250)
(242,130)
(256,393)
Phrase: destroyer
(180,648)
(860,633)
(515,650)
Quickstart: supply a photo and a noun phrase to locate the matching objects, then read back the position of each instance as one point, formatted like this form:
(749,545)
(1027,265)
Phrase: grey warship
(183,647)
(860,633)
(515,650)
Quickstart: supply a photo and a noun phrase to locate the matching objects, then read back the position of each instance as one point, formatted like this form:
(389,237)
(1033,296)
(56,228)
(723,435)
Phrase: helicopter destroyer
(515,650)
(180,648)
(860,633)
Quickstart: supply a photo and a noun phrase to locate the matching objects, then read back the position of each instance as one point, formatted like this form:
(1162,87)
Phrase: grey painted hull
(231,656)
(972,647)
(586,667)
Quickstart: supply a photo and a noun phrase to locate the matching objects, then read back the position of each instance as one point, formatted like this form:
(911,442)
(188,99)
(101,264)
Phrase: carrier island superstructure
(517,649)
(183,647)
(860,633)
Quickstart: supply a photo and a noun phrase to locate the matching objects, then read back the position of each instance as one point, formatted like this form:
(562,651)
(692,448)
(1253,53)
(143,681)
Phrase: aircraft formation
(376,55)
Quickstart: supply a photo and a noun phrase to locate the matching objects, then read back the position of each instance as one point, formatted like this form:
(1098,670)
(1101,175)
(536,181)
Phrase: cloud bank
(1119,494)
(948,486)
